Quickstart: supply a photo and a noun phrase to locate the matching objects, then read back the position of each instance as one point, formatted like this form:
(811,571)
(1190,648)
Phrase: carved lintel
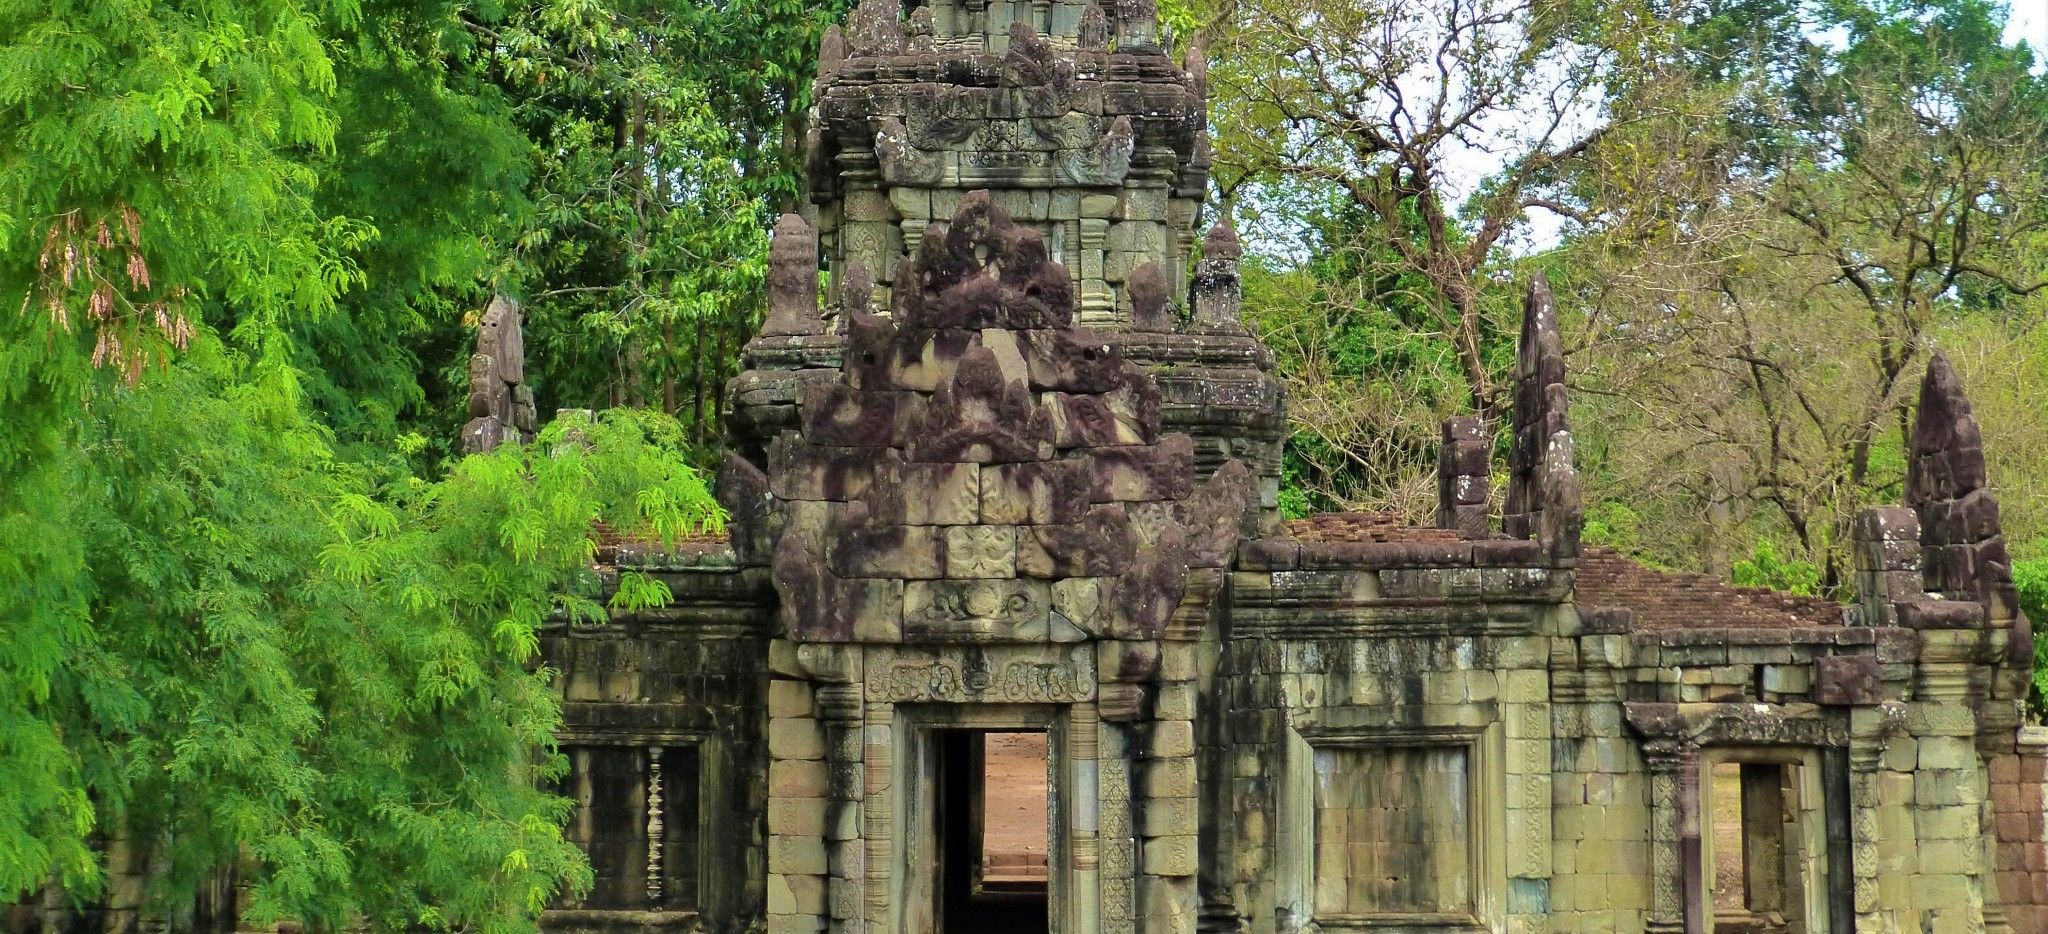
(1021,676)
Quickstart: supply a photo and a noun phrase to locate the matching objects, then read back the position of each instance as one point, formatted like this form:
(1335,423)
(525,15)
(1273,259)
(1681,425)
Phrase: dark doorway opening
(1758,848)
(992,831)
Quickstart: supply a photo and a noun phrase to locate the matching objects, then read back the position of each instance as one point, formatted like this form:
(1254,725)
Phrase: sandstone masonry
(1015,468)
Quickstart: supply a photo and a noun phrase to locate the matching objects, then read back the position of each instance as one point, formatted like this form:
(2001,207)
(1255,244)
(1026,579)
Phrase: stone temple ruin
(1015,484)
(1018,475)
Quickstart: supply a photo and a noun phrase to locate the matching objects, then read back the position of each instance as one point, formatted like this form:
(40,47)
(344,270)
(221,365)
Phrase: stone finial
(1137,25)
(1217,296)
(1150,310)
(875,27)
(1543,486)
(831,51)
(1196,64)
(1463,476)
(1094,31)
(793,280)
(500,403)
(1221,243)
(856,291)
(921,30)
(1962,536)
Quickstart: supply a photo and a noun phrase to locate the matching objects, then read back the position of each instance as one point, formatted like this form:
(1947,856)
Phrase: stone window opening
(1766,855)
(1395,827)
(636,817)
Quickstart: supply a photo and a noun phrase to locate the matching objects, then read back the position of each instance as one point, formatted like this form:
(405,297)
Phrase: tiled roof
(1681,600)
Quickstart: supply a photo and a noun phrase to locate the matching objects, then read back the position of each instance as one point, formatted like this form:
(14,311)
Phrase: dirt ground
(1014,807)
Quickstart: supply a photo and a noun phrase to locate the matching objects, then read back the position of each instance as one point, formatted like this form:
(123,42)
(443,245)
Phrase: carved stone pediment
(978,470)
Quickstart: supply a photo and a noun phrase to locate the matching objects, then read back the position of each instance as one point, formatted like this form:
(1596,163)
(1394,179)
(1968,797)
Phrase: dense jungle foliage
(254,609)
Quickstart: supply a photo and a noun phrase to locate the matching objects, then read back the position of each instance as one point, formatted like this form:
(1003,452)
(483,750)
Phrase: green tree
(1753,331)
(240,631)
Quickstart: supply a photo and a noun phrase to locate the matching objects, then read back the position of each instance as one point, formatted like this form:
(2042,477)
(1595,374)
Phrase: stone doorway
(993,823)
(985,820)
(1765,842)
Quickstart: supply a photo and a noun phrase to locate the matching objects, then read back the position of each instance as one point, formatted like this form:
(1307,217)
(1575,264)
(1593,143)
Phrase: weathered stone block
(925,493)
(1846,680)
(978,551)
(1103,543)
(796,854)
(1044,492)
(789,698)
(977,610)
(1139,473)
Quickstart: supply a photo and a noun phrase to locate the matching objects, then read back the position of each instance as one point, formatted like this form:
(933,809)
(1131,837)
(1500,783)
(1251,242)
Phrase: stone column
(796,809)
(1084,820)
(1674,801)
(846,742)
(1949,784)
(1866,758)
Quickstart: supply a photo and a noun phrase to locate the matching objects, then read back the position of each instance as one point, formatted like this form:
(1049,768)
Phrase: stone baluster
(655,828)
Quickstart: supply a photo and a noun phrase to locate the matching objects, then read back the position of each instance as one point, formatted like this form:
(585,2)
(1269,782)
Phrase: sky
(2029,22)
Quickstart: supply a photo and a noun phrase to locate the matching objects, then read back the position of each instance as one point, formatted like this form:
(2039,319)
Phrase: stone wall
(671,707)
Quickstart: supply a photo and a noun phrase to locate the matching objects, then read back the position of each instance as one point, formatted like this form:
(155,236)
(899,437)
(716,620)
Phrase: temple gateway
(1004,540)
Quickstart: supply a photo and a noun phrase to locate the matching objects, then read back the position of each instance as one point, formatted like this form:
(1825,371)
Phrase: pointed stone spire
(1962,536)
(831,51)
(1217,296)
(875,27)
(1151,311)
(1094,30)
(1543,486)
(793,280)
(500,403)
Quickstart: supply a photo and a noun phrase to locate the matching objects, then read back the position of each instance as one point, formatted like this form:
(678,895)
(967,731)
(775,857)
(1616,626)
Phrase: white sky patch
(2029,24)
(1470,158)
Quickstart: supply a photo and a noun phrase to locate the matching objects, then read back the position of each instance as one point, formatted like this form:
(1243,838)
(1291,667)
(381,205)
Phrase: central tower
(1103,153)
(998,475)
